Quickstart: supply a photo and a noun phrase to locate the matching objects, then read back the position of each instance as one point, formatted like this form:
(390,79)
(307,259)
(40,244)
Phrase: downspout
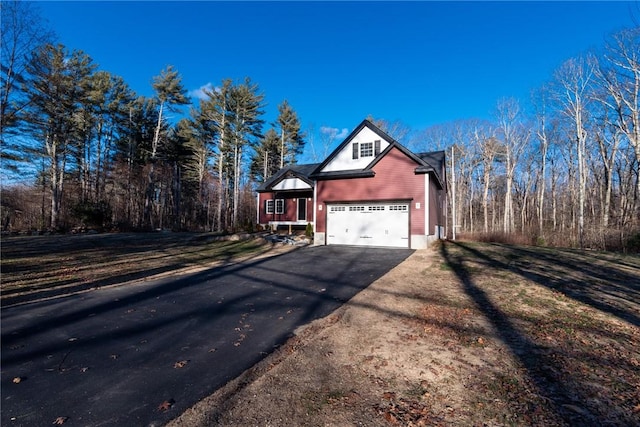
(427,205)
(258,208)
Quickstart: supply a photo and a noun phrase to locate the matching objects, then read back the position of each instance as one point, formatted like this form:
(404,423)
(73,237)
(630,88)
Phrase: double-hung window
(268,206)
(274,206)
(279,206)
(366,149)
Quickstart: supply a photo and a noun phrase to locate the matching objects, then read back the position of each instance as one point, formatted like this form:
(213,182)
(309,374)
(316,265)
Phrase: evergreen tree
(246,104)
(169,94)
(214,122)
(291,139)
(55,90)
(265,161)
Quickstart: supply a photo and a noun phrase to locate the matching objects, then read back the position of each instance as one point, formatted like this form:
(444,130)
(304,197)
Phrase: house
(370,191)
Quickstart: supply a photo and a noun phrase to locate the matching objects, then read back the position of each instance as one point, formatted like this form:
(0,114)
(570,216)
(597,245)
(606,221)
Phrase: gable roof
(347,140)
(299,171)
(428,162)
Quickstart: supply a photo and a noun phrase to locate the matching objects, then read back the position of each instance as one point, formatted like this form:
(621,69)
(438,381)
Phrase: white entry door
(368,224)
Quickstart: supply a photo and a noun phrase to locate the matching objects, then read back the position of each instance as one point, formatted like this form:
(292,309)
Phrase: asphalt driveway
(142,354)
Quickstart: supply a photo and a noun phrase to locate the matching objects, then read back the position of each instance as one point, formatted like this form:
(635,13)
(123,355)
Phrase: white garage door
(368,224)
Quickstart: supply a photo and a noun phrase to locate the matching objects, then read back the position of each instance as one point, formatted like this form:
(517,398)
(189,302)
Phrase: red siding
(290,206)
(394,179)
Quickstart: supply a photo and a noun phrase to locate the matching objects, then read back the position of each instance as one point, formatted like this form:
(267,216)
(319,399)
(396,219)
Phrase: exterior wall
(433,207)
(344,159)
(394,179)
(436,210)
(290,214)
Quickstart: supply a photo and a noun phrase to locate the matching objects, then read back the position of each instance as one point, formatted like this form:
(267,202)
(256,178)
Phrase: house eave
(344,174)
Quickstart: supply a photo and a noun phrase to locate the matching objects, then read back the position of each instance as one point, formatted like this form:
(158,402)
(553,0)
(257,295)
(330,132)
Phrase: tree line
(566,170)
(562,168)
(104,156)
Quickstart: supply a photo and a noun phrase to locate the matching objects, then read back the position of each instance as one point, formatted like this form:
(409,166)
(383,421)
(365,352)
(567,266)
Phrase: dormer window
(366,149)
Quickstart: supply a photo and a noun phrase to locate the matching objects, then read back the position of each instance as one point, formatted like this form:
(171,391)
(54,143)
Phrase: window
(366,149)
(277,203)
(398,207)
(337,208)
(376,208)
(279,206)
(356,208)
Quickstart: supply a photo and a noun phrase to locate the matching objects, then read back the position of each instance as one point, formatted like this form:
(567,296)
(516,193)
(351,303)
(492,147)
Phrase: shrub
(309,230)
(633,243)
(92,214)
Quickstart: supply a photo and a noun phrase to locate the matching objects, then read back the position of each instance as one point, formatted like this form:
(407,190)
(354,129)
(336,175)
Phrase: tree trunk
(543,182)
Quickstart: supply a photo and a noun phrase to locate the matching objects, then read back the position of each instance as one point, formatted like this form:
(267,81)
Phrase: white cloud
(200,94)
(334,132)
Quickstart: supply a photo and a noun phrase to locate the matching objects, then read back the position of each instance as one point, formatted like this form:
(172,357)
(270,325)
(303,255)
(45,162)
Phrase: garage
(368,224)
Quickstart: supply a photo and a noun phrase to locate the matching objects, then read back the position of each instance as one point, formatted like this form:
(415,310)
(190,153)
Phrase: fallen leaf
(180,364)
(17,380)
(166,405)
(60,420)
(389,395)
(390,418)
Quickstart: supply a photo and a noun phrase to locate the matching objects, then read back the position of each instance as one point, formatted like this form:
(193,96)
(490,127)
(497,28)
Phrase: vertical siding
(394,179)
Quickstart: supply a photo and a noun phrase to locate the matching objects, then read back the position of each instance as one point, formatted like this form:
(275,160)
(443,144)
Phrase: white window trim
(366,149)
(268,207)
(279,206)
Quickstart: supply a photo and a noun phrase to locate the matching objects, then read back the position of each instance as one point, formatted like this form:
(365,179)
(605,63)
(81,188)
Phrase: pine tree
(265,161)
(214,120)
(169,93)
(291,139)
(55,91)
(246,126)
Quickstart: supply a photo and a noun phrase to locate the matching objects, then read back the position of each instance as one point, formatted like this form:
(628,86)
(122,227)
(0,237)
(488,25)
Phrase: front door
(302,209)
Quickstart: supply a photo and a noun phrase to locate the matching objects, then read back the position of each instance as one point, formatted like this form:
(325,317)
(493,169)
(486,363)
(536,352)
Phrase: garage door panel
(368,224)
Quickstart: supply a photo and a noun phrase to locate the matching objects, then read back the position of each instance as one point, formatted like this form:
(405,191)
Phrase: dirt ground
(464,335)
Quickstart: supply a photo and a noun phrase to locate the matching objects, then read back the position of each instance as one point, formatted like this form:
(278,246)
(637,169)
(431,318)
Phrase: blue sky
(422,63)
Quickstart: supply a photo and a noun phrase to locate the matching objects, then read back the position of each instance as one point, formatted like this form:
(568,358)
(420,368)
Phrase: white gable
(291,184)
(344,159)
